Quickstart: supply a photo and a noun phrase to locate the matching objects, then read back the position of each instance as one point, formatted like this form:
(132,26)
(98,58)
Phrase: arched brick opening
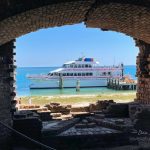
(130,17)
(18,18)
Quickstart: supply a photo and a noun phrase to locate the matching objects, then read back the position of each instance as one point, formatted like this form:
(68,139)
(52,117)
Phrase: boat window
(75,74)
(71,66)
(82,66)
(64,74)
(79,66)
(104,73)
(68,74)
(87,74)
(79,74)
(86,66)
(83,74)
(52,74)
(109,73)
(90,66)
(65,66)
(91,74)
(75,66)
(71,74)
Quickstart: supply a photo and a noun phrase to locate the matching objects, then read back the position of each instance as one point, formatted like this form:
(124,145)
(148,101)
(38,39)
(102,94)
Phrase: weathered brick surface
(6,87)
(18,18)
(48,16)
(143,72)
(126,18)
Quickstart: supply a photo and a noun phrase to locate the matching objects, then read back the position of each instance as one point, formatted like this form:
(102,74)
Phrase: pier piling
(78,86)
(60,82)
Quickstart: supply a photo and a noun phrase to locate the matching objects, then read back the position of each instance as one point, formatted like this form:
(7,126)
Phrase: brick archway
(17,18)
(22,17)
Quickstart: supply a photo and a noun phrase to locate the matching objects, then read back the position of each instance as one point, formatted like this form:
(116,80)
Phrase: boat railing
(108,67)
(36,75)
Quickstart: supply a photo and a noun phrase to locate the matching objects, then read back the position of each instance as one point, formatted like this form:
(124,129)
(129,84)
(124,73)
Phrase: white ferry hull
(69,83)
(83,73)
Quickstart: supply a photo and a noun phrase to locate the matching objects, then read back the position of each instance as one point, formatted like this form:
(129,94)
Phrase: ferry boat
(83,72)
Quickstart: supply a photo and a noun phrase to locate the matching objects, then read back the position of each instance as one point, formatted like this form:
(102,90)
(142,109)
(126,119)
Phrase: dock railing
(118,84)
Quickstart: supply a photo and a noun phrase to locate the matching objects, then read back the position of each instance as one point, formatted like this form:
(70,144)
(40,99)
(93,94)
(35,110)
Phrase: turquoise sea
(23,83)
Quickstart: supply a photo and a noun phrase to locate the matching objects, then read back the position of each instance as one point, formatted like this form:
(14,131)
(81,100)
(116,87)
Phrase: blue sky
(54,46)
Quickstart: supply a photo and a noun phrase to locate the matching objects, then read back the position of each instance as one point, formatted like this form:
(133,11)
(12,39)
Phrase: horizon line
(56,66)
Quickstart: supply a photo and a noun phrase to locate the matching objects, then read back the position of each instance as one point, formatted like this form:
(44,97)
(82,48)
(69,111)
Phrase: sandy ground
(87,95)
(80,100)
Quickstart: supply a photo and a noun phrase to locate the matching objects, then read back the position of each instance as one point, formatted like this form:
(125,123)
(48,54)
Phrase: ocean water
(23,83)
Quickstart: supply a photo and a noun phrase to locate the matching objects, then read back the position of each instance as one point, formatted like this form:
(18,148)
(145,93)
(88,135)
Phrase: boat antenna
(114,61)
(122,69)
(82,55)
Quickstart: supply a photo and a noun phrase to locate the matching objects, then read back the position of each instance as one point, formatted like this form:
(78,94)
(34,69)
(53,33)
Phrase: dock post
(118,81)
(112,83)
(129,87)
(78,86)
(60,82)
(108,85)
(118,85)
(133,88)
(107,82)
(115,84)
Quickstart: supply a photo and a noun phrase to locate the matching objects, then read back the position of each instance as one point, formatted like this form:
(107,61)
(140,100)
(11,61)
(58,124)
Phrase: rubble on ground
(96,125)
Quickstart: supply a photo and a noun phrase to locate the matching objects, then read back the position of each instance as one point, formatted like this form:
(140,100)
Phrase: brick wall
(57,14)
(7,88)
(143,72)
(19,17)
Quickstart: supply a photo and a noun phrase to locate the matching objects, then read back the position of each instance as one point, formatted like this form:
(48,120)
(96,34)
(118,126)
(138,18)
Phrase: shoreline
(82,95)
(79,99)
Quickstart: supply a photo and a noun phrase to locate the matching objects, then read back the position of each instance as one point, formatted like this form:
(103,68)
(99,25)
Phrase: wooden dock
(121,84)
